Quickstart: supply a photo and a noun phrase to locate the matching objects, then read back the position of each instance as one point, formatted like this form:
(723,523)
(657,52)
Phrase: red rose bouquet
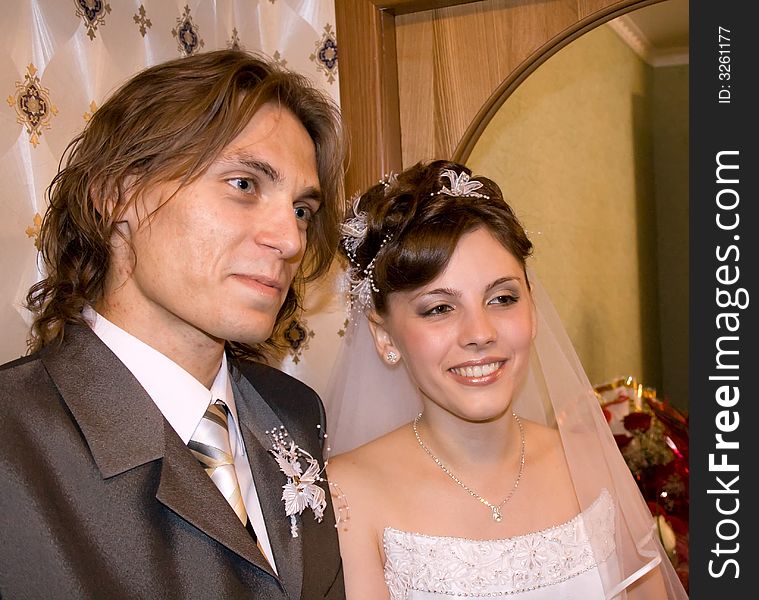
(652,436)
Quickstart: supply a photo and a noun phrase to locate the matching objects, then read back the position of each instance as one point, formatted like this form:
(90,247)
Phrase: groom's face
(216,257)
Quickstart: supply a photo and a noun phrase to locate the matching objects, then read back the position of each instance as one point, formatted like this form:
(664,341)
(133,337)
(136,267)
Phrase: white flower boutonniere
(301,490)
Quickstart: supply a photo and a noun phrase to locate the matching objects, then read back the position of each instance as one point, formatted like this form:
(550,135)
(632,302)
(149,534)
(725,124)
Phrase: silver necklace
(495,508)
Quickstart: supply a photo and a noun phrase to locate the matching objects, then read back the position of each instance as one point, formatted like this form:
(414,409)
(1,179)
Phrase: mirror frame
(511,83)
(369,77)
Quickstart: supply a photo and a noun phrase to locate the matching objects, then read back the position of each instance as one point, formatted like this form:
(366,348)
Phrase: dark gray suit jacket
(99,497)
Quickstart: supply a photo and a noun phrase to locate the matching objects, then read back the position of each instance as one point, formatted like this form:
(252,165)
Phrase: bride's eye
(504,299)
(439,309)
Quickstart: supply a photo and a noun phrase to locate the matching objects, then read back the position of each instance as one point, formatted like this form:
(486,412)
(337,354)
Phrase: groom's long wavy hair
(168,123)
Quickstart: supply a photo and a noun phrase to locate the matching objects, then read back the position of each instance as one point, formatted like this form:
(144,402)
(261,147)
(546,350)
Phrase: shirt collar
(181,398)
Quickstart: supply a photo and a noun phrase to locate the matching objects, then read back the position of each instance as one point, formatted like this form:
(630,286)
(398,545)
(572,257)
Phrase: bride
(493,471)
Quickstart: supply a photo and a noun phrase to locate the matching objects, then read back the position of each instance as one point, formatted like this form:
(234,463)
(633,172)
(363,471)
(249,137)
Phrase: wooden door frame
(369,96)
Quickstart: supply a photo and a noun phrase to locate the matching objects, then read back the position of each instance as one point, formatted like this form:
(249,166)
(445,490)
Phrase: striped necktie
(210,445)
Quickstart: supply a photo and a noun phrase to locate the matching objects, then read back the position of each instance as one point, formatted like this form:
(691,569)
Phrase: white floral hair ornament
(302,489)
(359,283)
(354,230)
(460,186)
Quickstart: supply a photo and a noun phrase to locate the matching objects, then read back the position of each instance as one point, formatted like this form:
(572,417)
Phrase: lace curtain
(61,58)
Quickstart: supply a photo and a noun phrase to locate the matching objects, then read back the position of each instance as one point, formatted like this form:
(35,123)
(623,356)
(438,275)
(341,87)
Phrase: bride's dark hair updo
(421,227)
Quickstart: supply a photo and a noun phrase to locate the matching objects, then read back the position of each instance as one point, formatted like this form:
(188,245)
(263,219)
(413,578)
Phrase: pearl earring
(392,357)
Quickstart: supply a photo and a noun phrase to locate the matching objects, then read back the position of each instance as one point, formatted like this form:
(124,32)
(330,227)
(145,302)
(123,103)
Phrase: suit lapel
(256,418)
(125,429)
(106,401)
(185,488)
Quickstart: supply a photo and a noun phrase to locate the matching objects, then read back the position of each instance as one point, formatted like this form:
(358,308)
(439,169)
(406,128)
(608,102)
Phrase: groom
(197,197)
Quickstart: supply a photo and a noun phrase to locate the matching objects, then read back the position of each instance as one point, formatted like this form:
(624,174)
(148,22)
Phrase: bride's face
(466,336)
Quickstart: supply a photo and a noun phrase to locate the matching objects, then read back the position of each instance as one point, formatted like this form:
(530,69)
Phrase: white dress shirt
(183,400)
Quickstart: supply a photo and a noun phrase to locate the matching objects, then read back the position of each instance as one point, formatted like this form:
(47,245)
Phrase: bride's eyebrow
(438,292)
(453,293)
(501,281)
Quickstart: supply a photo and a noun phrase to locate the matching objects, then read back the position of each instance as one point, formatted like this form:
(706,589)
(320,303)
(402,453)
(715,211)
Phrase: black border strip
(723,251)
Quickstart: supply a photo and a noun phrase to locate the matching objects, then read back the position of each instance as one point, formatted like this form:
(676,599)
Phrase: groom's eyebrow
(269,172)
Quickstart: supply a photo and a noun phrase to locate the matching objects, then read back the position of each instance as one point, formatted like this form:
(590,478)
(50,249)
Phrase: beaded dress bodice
(557,563)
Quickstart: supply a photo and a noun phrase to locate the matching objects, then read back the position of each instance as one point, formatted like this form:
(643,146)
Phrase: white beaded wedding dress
(557,563)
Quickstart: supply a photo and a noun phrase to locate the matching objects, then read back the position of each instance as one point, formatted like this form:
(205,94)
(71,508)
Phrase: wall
(670,126)
(572,148)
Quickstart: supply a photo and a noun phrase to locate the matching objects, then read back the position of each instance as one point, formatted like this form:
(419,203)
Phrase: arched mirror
(592,151)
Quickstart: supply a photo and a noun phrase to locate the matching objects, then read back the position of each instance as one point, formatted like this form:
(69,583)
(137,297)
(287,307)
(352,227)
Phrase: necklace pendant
(495,510)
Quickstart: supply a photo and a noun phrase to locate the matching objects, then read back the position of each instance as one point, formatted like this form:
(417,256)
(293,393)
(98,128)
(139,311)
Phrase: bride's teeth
(477,370)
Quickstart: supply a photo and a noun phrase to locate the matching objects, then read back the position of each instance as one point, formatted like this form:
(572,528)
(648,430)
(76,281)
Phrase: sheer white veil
(365,398)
